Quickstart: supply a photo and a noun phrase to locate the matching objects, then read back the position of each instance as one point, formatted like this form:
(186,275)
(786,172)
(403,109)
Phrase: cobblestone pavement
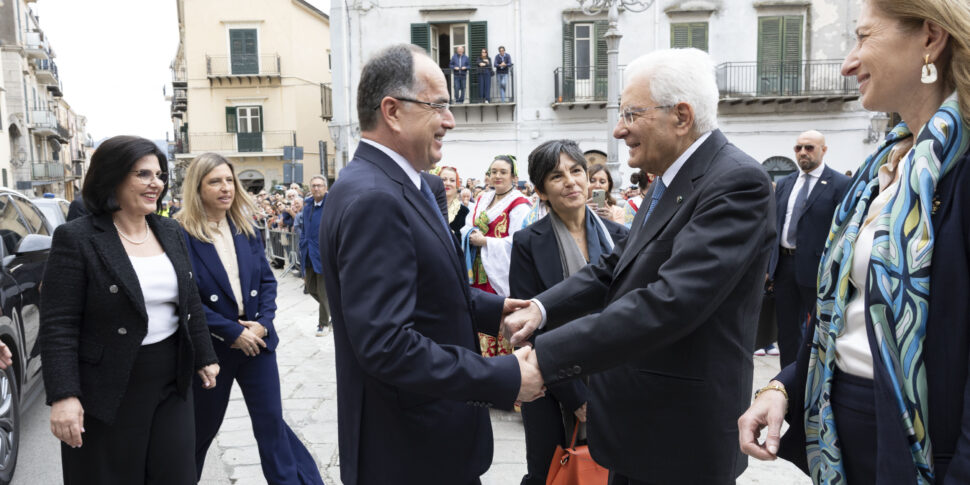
(309,392)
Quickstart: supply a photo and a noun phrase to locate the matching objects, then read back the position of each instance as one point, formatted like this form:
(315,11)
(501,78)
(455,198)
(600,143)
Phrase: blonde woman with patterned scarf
(457,212)
(879,394)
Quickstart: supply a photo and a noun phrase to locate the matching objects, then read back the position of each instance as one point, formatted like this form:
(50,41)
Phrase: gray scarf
(597,237)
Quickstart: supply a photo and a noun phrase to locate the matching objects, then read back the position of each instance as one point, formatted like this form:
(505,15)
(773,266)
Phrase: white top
(226,249)
(813,178)
(497,252)
(159,287)
(852,352)
(399,160)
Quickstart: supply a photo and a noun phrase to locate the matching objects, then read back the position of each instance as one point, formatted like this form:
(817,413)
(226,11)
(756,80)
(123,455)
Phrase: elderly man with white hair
(663,326)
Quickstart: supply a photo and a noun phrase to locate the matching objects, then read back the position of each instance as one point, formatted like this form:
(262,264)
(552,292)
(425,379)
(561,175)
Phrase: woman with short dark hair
(122,329)
(543,254)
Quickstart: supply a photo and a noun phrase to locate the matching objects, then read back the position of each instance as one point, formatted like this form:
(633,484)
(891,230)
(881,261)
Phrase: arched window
(778,167)
(252,181)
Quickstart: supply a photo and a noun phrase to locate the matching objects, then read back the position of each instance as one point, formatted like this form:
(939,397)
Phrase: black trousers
(793,303)
(854,411)
(544,430)
(618,479)
(151,440)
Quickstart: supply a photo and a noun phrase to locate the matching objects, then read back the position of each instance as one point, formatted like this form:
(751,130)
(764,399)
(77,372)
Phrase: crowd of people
(631,311)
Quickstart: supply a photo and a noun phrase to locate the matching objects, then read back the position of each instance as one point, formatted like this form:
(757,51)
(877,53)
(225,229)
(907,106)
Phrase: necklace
(126,238)
(499,196)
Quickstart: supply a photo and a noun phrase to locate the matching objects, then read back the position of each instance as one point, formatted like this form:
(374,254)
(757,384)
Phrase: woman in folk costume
(487,238)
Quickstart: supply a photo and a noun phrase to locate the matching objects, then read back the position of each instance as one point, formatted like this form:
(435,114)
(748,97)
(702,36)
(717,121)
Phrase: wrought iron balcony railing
(821,78)
(267,65)
(578,84)
(257,142)
(479,87)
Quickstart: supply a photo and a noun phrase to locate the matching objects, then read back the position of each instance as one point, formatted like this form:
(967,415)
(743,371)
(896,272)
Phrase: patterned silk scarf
(897,289)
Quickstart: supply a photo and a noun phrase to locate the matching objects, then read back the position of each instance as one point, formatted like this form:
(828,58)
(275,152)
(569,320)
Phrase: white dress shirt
(399,160)
(813,178)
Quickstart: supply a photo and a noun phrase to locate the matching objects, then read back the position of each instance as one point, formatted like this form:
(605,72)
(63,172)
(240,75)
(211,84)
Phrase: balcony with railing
(180,77)
(180,101)
(47,171)
(36,45)
(251,67)
(43,122)
(45,71)
(580,86)
(265,143)
(784,80)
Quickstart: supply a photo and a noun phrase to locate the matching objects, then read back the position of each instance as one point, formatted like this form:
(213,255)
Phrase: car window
(12,227)
(50,212)
(65,207)
(35,219)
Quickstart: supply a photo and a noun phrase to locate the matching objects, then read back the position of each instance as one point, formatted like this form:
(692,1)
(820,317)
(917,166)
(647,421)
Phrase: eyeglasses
(808,148)
(629,113)
(439,107)
(147,176)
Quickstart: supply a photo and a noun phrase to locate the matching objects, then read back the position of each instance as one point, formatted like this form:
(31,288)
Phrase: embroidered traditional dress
(489,270)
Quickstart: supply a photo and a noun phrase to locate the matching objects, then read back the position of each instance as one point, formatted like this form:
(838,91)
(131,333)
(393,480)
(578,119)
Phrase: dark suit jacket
(813,227)
(536,267)
(946,352)
(411,386)
(93,319)
(669,356)
(458,62)
(256,280)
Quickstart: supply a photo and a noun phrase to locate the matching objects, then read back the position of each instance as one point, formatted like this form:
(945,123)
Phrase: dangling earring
(929,71)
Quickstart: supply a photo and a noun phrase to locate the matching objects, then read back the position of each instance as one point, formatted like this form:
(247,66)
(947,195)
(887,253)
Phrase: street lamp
(613,36)
(877,128)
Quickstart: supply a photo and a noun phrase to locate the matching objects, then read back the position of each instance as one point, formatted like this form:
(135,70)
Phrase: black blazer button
(122,331)
(563,373)
(577,370)
(113,289)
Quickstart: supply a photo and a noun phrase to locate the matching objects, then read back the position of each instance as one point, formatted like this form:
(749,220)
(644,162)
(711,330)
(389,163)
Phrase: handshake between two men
(520,318)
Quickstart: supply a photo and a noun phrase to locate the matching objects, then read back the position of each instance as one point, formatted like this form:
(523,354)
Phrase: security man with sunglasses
(806,201)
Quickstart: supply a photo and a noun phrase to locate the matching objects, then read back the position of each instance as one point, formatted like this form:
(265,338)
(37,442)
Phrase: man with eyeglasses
(663,326)
(806,201)
(412,388)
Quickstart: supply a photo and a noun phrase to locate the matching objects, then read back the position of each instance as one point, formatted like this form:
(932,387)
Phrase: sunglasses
(808,148)
(146,176)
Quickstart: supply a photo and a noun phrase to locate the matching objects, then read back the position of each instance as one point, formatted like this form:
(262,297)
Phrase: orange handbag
(574,466)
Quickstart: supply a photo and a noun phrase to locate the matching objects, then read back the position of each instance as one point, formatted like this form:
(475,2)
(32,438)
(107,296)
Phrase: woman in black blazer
(239,294)
(544,254)
(122,329)
(457,212)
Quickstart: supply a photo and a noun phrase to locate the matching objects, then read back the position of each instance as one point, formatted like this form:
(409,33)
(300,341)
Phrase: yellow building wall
(290,102)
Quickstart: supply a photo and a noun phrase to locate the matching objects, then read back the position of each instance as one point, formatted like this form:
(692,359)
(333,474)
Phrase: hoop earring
(928,71)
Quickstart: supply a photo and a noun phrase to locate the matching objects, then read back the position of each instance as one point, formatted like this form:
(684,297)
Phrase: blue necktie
(429,197)
(658,192)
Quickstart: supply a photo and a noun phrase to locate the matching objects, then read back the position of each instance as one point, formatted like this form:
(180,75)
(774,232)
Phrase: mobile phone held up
(599,198)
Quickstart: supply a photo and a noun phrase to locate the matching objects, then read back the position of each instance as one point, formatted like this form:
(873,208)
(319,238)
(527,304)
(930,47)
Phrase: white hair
(679,76)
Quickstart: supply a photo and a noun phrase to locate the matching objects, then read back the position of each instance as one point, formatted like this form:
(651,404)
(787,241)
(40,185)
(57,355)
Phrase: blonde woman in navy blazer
(238,292)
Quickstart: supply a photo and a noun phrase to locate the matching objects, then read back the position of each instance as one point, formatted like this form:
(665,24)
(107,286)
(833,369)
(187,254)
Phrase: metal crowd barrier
(283,246)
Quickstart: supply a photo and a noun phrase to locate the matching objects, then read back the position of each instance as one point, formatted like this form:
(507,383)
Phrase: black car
(26,243)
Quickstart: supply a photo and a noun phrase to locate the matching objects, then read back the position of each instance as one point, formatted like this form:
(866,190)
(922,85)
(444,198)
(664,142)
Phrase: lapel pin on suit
(824,182)
(680,199)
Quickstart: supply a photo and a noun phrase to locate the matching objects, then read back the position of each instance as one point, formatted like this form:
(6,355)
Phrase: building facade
(251,80)
(778,70)
(41,129)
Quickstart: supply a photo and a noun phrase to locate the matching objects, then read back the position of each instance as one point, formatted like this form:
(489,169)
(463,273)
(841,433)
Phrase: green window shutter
(477,40)
(679,36)
(601,60)
(231,122)
(791,53)
(769,55)
(698,35)
(568,72)
(243,51)
(421,36)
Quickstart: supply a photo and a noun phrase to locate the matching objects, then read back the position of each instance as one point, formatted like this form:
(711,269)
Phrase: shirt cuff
(542,310)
